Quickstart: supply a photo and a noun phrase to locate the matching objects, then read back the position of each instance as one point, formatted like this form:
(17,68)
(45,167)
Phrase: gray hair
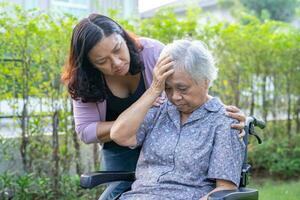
(194,58)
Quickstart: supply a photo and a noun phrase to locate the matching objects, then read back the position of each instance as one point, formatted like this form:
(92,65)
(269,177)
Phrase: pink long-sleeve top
(87,115)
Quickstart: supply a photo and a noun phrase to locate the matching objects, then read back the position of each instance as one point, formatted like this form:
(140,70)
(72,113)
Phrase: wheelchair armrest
(239,194)
(92,179)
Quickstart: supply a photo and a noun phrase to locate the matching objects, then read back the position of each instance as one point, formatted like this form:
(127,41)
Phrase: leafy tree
(282,10)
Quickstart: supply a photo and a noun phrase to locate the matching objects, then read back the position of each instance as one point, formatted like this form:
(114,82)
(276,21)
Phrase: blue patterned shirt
(182,161)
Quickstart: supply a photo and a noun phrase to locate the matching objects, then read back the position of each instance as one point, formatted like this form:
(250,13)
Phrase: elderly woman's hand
(236,113)
(162,70)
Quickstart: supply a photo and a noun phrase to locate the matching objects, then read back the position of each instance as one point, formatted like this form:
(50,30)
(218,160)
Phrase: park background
(258,55)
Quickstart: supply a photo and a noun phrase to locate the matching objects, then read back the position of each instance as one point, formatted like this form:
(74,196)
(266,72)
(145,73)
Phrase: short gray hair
(194,58)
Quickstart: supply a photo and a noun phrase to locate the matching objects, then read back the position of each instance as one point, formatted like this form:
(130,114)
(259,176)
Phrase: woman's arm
(125,127)
(88,125)
(221,185)
(103,131)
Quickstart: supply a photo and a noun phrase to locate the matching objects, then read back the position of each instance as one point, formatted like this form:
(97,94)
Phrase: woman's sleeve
(227,155)
(159,47)
(86,117)
(150,54)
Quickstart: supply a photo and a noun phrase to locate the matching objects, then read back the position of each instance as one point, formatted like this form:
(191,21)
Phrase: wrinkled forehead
(180,76)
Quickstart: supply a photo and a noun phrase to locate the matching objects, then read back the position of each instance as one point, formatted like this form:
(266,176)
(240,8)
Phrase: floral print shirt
(182,161)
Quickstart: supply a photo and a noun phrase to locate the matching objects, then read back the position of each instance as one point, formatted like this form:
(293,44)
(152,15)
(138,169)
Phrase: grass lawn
(276,190)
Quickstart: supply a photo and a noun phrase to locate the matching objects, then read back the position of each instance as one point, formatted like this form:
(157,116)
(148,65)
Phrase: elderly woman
(188,147)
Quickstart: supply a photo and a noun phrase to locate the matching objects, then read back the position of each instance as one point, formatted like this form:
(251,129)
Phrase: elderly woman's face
(184,92)
(111,56)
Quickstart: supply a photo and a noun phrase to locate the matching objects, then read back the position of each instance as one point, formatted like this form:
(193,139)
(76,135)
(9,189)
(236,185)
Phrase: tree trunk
(297,113)
(55,153)
(237,92)
(24,139)
(24,120)
(289,121)
(65,163)
(76,146)
(252,104)
(96,156)
(264,98)
(274,108)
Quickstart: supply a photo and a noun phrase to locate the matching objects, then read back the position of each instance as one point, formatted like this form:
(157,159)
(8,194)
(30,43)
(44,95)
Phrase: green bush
(280,157)
(30,186)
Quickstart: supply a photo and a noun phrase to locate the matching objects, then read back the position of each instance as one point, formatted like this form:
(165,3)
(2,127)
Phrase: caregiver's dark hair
(84,81)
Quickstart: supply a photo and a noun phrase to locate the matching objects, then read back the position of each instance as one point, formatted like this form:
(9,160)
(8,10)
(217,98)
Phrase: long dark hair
(84,81)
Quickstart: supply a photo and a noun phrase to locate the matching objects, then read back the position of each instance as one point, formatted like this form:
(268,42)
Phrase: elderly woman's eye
(182,89)
(117,50)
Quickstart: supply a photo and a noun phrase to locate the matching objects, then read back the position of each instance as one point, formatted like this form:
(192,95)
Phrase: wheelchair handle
(261,124)
(251,122)
(256,122)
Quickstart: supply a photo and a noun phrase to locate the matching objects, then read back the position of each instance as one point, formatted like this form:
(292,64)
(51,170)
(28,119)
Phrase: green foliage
(171,27)
(282,10)
(30,186)
(277,157)
(34,47)
(6,148)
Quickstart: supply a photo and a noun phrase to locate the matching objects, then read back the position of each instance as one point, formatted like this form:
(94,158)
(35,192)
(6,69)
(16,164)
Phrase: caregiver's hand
(235,113)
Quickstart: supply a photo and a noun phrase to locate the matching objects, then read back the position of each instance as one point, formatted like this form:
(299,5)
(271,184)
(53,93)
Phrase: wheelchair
(93,179)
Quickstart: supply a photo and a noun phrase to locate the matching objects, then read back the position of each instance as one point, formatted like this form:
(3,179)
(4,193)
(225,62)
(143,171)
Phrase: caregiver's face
(184,92)
(111,56)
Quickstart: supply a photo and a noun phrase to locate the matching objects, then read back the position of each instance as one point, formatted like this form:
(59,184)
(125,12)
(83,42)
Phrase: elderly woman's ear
(206,82)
